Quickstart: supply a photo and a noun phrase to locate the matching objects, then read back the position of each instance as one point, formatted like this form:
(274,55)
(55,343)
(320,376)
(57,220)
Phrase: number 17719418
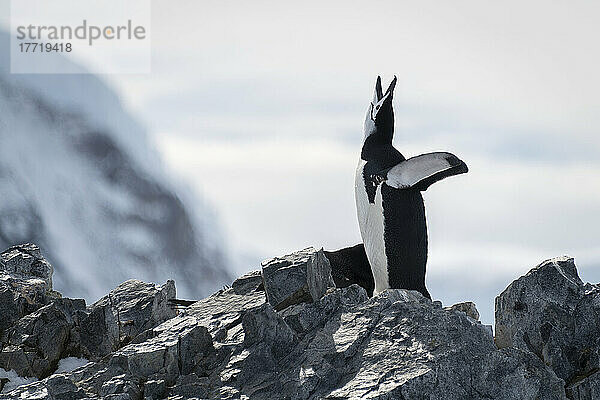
(39,47)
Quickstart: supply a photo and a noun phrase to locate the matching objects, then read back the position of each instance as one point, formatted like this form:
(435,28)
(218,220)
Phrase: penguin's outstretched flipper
(422,171)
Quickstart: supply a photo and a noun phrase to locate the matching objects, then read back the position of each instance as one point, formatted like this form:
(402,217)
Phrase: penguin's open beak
(390,89)
(379,94)
(378,90)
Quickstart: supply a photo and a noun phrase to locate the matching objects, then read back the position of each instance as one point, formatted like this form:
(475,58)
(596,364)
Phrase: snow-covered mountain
(78,176)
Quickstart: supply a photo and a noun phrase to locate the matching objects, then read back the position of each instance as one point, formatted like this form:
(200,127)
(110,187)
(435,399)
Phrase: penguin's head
(379,121)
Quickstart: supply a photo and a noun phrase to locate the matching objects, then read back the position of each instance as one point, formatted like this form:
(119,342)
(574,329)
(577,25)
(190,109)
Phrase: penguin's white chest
(371,222)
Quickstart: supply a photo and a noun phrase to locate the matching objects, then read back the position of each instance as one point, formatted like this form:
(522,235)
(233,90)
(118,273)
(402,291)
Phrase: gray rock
(551,313)
(130,309)
(190,387)
(222,313)
(401,333)
(323,343)
(251,281)
(25,283)
(522,375)
(39,340)
(305,317)
(26,260)
(154,389)
(120,387)
(396,345)
(303,276)
(61,388)
(468,307)
(180,346)
(585,388)
(19,297)
(264,327)
(36,390)
(55,387)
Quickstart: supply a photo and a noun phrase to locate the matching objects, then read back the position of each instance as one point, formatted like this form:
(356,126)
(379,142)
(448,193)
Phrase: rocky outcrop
(41,327)
(551,313)
(35,344)
(299,277)
(287,332)
(25,283)
(130,309)
(26,260)
(468,307)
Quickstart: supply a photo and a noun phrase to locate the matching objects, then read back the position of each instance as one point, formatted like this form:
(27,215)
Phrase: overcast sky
(259,107)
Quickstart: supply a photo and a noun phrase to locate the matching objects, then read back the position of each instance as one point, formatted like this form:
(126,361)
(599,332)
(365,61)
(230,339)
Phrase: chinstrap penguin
(390,208)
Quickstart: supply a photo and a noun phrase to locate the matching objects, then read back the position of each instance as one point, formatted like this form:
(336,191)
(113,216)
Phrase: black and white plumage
(390,208)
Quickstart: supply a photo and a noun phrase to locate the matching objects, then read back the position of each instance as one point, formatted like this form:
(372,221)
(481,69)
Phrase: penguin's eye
(377,108)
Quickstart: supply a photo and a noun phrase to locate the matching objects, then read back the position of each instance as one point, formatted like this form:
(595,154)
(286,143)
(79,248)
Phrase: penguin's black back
(351,265)
(405,236)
